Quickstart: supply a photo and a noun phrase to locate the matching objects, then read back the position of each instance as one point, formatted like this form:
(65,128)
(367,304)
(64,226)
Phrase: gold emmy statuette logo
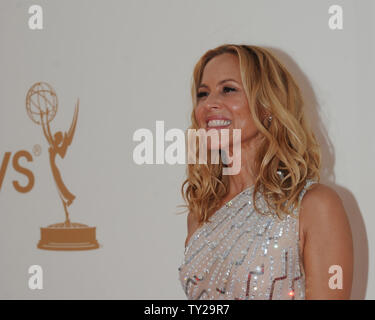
(41,106)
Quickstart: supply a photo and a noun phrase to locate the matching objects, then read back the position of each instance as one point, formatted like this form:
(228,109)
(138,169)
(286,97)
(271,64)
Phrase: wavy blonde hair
(287,146)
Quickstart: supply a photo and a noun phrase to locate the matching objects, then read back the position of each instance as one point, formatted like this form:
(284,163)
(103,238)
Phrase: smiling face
(222,101)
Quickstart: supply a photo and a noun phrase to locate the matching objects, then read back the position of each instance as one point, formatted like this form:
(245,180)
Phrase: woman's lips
(218,127)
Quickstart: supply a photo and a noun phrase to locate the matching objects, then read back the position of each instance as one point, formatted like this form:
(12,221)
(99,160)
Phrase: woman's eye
(201,94)
(229,89)
(225,89)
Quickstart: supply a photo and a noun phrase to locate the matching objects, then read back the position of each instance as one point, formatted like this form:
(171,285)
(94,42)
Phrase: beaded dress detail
(242,255)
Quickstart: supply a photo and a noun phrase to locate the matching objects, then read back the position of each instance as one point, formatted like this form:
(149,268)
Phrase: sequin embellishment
(242,255)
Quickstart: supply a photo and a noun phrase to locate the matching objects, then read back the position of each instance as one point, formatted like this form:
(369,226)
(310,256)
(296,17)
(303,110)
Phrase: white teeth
(217,123)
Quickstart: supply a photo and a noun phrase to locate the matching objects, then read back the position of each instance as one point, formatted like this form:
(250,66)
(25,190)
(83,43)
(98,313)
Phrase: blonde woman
(272,231)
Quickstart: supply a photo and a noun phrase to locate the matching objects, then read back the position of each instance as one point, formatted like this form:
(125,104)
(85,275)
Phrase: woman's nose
(213,102)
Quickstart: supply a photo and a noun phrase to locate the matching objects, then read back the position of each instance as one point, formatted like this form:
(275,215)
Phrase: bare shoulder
(326,242)
(322,192)
(191,221)
(192,225)
(321,205)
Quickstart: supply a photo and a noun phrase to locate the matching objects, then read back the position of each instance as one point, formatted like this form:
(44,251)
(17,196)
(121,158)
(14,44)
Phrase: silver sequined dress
(243,255)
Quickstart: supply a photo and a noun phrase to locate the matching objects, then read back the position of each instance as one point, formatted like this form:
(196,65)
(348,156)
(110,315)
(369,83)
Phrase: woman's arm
(327,245)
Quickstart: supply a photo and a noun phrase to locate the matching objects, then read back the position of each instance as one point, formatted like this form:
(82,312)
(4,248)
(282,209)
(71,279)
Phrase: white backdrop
(130,64)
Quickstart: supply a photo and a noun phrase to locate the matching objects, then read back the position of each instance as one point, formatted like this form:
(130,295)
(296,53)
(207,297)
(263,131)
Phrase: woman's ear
(264,113)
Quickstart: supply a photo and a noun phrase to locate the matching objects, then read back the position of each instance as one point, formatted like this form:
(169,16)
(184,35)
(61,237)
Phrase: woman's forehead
(221,68)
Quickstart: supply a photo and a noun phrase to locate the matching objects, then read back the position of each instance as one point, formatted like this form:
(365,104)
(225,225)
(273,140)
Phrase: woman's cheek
(199,116)
(196,114)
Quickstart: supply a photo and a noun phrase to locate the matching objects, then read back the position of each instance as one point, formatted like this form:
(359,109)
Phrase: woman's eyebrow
(222,81)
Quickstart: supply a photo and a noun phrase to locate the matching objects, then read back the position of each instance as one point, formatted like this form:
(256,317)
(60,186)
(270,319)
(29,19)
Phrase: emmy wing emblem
(41,106)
